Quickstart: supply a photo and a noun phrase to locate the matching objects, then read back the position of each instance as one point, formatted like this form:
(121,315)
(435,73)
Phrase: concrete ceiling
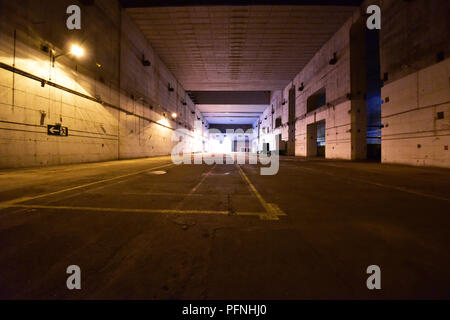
(231,107)
(231,114)
(238,47)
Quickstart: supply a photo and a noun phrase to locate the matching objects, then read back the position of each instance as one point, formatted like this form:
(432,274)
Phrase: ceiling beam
(184,3)
(231,97)
(231,113)
(228,116)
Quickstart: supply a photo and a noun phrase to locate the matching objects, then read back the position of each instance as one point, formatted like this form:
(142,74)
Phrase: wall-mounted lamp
(284,102)
(75,50)
(302,87)
(169,87)
(174,115)
(334,59)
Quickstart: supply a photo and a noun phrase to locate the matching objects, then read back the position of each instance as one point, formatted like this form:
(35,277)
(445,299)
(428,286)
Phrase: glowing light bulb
(76,50)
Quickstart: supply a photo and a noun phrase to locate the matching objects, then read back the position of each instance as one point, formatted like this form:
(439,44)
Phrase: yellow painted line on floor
(272,210)
(23,199)
(131,210)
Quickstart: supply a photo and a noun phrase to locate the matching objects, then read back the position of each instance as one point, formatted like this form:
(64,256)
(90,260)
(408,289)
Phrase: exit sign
(57,130)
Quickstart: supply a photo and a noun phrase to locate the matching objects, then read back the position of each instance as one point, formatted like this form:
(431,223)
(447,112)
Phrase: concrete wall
(125,100)
(317,74)
(413,35)
(147,94)
(414,38)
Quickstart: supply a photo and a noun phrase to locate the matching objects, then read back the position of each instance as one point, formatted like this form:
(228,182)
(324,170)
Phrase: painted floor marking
(23,199)
(195,188)
(272,210)
(132,210)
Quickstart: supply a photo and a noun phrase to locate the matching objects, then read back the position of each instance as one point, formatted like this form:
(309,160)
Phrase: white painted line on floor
(195,188)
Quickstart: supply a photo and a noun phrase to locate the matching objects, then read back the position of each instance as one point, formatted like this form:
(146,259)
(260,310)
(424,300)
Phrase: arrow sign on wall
(57,130)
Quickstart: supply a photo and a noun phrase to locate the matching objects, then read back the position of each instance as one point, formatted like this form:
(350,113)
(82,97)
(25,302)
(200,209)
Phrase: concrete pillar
(358,80)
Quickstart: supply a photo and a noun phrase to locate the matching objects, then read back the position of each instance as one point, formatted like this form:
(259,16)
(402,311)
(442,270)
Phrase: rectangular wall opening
(320,140)
(315,145)
(278,122)
(316,100)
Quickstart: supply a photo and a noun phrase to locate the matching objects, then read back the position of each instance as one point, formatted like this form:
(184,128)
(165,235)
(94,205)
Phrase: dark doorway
(373,96)
(321,139)
(247,144)
(316,139)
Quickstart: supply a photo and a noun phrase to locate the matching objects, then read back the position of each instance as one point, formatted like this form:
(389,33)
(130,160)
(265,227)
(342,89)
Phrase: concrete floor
(216,232)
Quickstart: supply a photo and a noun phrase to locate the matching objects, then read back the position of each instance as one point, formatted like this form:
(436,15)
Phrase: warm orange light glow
(174,115)
(76,50)
(164,122)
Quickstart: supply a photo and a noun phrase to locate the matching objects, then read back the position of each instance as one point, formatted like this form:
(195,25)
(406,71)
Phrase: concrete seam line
(271,212)
(22,199)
